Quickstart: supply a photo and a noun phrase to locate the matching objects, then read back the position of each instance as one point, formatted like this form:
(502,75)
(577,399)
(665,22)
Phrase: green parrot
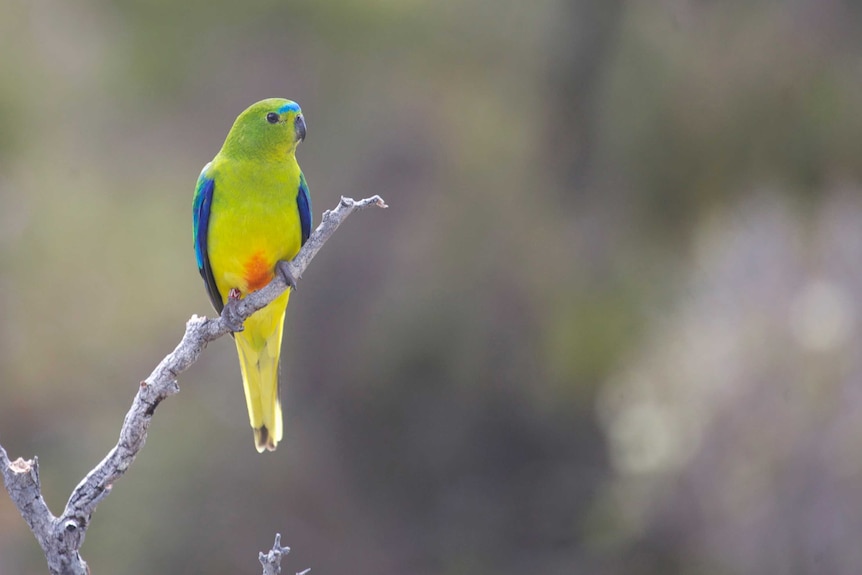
(251,210)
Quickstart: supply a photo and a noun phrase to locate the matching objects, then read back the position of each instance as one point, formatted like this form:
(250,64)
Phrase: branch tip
(277,548)
(375,201)
(21,465)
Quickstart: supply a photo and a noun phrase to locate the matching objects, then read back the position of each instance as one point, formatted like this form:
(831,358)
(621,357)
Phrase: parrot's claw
(284,269)
(229,313)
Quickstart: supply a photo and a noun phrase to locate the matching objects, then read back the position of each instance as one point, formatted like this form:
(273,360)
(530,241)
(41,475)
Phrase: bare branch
(60,542)
(22,482)
(62,537)
(271,560)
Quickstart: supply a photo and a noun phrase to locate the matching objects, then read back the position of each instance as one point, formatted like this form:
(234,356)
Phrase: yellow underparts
(247,263)
(254,223)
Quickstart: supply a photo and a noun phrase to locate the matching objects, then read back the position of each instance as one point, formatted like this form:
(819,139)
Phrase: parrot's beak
(299,127)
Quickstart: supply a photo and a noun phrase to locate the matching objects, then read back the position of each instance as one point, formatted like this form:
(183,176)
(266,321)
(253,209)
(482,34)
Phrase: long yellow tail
(259,347)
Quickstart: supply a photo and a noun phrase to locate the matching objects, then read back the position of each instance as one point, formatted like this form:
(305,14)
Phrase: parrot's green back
(252,210)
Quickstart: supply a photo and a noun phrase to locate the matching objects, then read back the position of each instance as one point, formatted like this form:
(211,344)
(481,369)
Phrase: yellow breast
(254,222)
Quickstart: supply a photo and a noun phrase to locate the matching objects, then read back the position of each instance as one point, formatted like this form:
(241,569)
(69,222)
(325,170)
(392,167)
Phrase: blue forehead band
(290,107)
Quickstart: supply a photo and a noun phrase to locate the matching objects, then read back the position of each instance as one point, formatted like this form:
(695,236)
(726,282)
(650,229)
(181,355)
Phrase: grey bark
(271,560)
(61,537)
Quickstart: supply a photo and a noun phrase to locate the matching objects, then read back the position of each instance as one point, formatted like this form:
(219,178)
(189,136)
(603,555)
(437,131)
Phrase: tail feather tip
(263,441)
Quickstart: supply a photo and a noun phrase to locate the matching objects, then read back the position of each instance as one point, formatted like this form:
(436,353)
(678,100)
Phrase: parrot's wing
(201,213)
(303,202)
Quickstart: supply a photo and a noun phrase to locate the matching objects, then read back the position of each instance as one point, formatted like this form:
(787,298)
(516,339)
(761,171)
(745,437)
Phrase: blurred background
(610,323)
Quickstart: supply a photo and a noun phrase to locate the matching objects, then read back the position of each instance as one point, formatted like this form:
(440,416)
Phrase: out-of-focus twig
(61,537)
(271,560)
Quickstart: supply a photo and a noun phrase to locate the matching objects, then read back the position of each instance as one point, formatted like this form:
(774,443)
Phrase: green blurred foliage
(608,324)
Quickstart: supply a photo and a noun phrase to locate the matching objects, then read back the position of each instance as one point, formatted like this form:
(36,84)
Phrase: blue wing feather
(303,202)
(201,214)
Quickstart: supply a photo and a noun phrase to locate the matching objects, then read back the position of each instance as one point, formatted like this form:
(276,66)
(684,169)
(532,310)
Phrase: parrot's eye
(272,118)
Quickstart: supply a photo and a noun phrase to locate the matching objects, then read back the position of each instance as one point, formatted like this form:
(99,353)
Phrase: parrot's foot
(283,268)
(229,313)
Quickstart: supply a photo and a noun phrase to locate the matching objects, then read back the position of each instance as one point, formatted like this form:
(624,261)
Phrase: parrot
(251,209)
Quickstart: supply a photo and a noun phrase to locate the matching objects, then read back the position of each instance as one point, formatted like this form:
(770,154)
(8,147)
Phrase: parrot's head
(272,127)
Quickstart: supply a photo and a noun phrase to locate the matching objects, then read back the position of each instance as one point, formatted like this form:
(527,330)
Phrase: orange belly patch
(258,272)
